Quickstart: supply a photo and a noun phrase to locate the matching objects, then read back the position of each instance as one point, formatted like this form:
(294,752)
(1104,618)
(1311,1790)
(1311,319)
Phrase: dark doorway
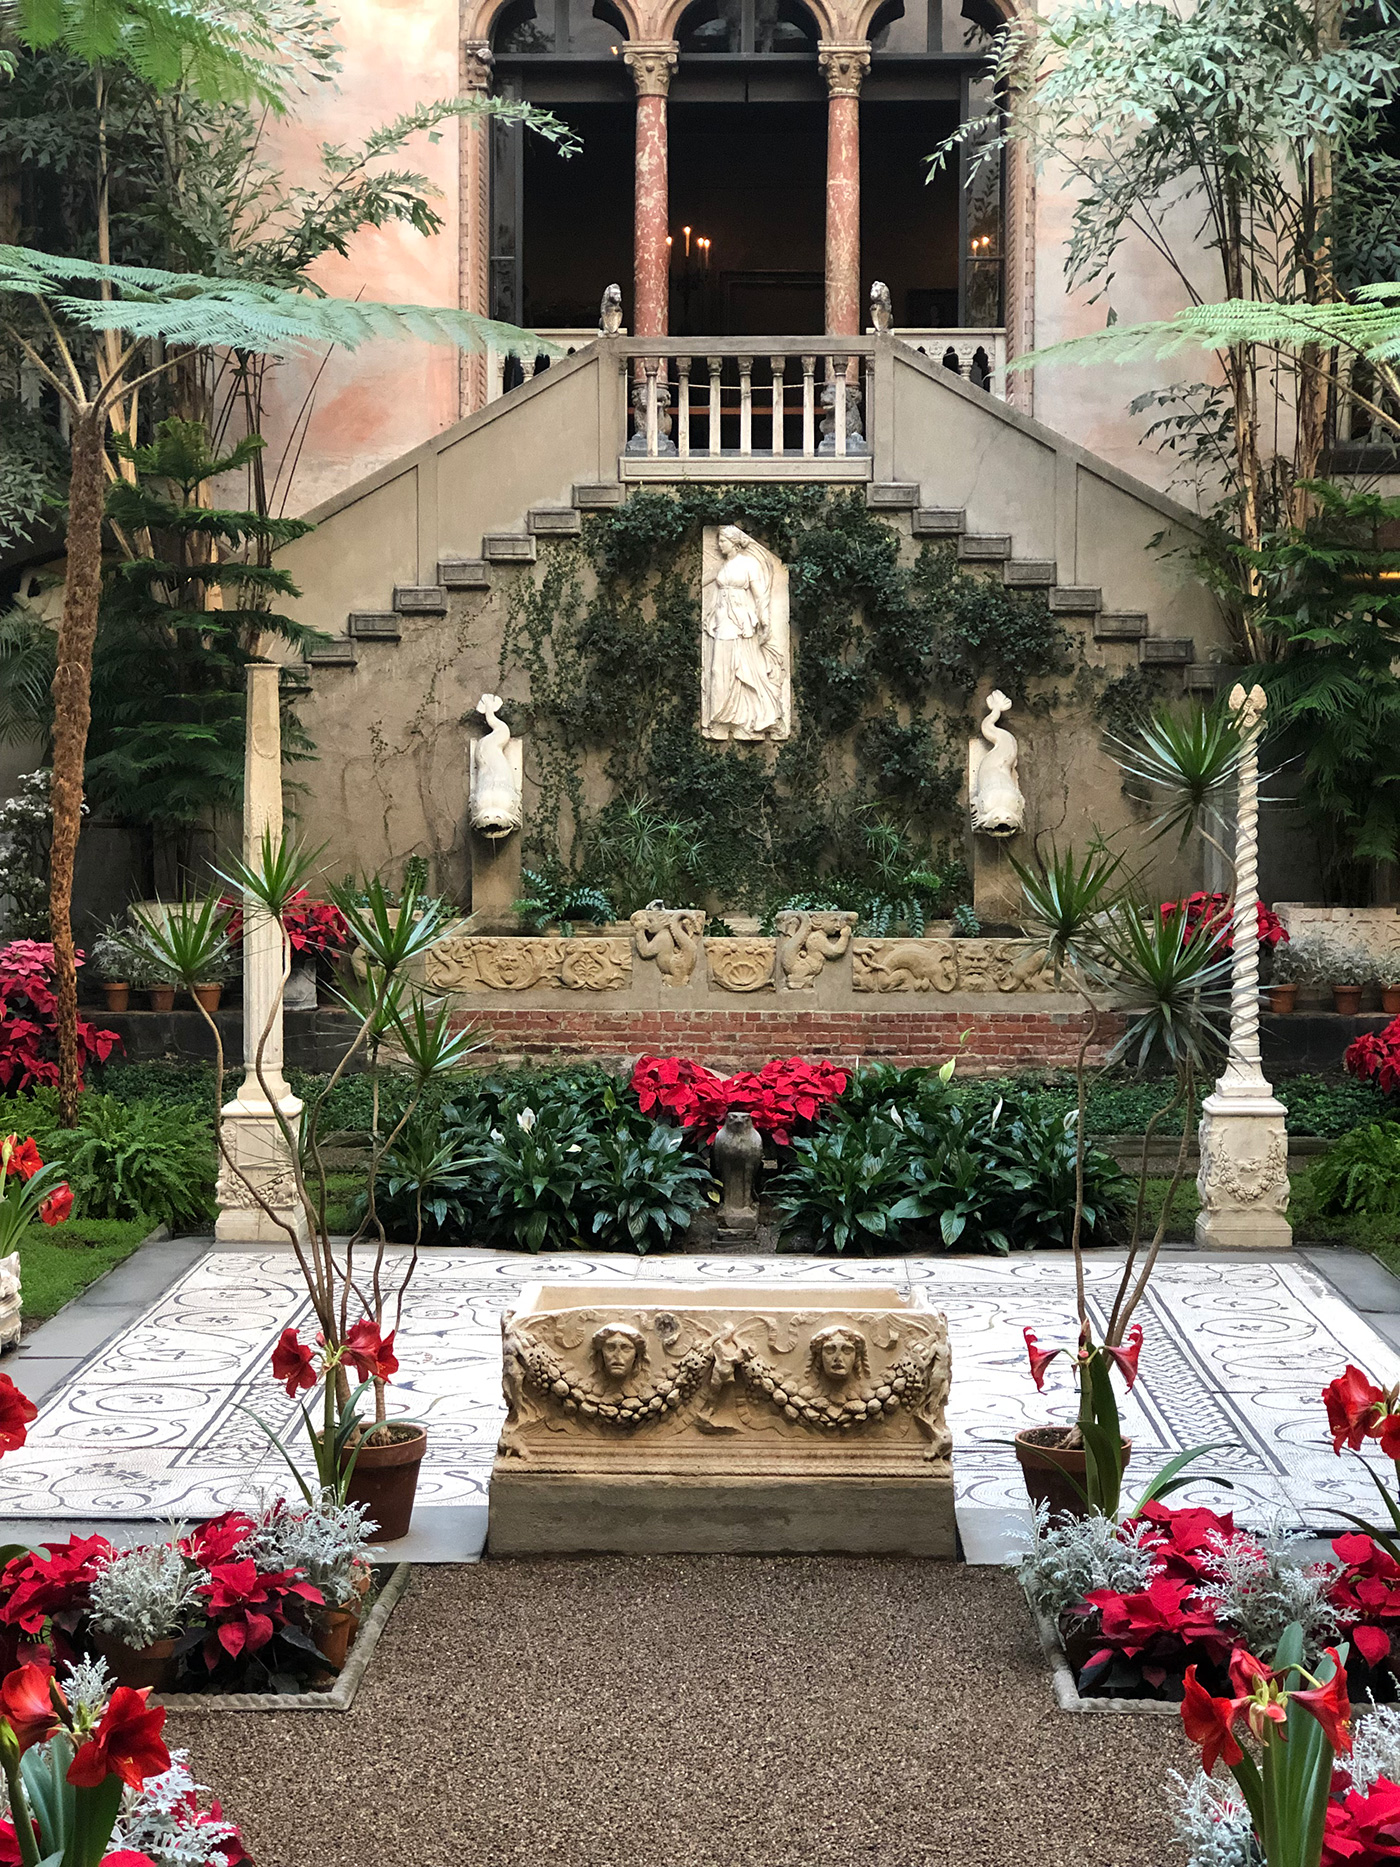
(576,218)
(751,179)
(909,227)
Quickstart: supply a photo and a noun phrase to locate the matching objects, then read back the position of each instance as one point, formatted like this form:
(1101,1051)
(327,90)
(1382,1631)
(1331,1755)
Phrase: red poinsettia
(1184,1540)
(216,1540)
(1214,916)
(293,1363)
(1162,1626)
(58,1207)
(127,1743)
(17,1411)
(312,926)
(778,1096)
(245,1606)
(1363,1829)
(1375,1055)
(29,1019)
(370,1354)
(26,1704)
(130,1857)
(1366,1594)
(34,1588)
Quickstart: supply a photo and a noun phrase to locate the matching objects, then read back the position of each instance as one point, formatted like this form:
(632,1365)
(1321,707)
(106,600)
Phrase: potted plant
(141,1600)
(328,1544)
(111,961)
(221,968)
(357,1307)
(1303,961)
(1350,966)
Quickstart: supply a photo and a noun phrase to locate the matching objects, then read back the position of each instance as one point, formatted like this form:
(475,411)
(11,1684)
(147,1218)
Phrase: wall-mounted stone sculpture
(737,1154)
(741,964)
(469,963)
(903,966)
(10,1300)
(648,1418)
(807,939)
(746,651)
(497,775)
(994,795)
(671,937)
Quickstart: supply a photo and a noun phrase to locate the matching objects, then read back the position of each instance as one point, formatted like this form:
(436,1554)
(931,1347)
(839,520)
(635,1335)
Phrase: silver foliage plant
(1212,1823)
(1072,1556)
(329,1543)
(144,1595)
(1259,1586)
(1375,1748)
(163,1820)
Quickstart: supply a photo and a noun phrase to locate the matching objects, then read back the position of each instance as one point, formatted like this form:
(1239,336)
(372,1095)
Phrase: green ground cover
(58,1262)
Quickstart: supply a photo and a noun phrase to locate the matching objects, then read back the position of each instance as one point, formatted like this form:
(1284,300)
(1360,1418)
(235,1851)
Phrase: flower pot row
(159,997)
(1346,999)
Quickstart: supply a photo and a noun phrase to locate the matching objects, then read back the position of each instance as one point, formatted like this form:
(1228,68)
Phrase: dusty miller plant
(1260,1586)
(162,1820)
(1375,1747)
(24,859)
(143,1595)
(329,1543)
(1070,1556)
(1212,1823)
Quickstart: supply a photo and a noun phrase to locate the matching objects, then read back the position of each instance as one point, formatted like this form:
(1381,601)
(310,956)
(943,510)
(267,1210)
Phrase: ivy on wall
(605,638)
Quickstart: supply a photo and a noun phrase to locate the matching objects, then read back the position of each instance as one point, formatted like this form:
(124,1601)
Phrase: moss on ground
(58,1262)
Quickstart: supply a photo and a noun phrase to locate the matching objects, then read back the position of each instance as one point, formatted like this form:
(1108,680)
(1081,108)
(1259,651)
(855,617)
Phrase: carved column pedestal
(251,1131)
(1243,1178)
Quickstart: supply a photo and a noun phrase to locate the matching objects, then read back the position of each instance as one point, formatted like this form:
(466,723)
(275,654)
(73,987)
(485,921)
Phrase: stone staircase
(976,550)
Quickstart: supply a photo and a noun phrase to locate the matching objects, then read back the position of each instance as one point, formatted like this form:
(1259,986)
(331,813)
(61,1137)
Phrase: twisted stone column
(845,67)
(475,212)
(1243,1177)
(251,1132)
(651,67)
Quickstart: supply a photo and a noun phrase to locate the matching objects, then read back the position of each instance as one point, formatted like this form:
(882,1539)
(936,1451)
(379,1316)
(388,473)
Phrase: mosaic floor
(152,1426)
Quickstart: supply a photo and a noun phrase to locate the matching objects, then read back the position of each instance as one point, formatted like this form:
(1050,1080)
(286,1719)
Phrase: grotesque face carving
(837,1356)
(619,1352)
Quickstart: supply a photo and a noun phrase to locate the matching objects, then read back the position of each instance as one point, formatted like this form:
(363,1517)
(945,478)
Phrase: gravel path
(692,1711)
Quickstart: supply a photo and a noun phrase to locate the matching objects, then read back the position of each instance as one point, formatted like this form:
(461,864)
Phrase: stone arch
(480,19)
(668,17)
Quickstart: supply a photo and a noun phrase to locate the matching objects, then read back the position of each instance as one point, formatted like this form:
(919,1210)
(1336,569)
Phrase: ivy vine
(600,658)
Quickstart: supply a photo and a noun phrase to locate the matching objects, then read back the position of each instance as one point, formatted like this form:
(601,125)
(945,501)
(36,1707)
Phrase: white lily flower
(525,1121)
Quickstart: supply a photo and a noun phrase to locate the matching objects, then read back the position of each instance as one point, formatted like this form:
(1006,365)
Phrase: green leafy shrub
(125,1160)
(642,1192)
(1361,1173)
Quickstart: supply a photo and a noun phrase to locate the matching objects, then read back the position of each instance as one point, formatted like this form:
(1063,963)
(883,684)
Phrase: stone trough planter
(1067,1694)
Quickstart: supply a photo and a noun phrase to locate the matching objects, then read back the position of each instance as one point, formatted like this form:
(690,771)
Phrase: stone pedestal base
(996,890)
(546,1513)
(10,1301)
(1243,1178)
(256,1145)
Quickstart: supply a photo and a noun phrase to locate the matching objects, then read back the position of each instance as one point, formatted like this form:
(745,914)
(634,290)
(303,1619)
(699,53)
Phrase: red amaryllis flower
(1040,1358)
(127,1743)
(1246,1672)
(293,1363)
(21,1157)
(1331,1707)
(1354,1403)
(1208,1722)
(1127,1358)
(370,1354)
(58,1206)
(26,1706)
(215,1541)
(16,1412)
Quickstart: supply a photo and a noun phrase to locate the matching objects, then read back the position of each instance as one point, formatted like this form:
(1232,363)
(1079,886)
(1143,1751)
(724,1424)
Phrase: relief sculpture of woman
(746,672)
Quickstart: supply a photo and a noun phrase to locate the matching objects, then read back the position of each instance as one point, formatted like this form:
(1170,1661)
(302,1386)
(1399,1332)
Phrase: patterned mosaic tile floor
(1236,1350)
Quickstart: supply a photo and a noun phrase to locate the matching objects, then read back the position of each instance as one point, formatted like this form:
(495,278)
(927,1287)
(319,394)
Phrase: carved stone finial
(994,795)
(845,67)
(610,312)
(881,308)
(1248,708)
(652,66)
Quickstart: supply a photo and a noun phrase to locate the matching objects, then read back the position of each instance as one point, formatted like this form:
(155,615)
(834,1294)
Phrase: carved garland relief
(470,963)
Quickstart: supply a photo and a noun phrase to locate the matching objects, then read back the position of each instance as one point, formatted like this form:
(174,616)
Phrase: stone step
(464,573)
(1167,651)
(374,625)
(1029,573)
(509,548)
(938,522)
(338,652)
(554,521)
(983,547)
(1120,628)
(420,599)
(892,495)
(598,495)
(1076,600)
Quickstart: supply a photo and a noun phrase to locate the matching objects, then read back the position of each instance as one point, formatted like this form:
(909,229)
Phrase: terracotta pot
(1048,1466)
(1346,999)
(1390,999)
(153,1666)
(118,995)
(334,1631)
(385,1479)
(161,997)
(208,996)
(1283,997)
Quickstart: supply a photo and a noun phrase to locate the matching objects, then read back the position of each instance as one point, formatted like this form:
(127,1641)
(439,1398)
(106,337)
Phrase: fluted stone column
(845,66)
(651,67)
(1243,1178)
(251,1133)
(474,285)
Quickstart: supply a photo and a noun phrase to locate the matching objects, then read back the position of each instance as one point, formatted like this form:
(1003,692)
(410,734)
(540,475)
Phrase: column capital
(652,65)
(477,61)
(844,65)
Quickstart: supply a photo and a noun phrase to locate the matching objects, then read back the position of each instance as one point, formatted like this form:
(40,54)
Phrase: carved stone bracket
(807,940)
(741,964)
(671,937)
(477,61)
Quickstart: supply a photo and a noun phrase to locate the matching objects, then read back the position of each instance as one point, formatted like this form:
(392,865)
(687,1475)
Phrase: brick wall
(998,1041)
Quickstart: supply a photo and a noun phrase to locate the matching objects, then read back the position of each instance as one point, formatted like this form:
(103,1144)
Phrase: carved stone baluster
(716,365)
(837,367)
(809,407)
(653,422)
(778,365)
(683,406)
(745,405)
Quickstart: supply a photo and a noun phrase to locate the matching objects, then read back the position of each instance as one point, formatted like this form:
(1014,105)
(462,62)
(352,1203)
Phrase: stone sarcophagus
(644,1418)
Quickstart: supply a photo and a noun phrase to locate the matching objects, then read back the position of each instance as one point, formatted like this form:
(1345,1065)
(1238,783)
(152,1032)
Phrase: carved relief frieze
(807,939)
(670,937)
(741,964)
(476,963)
(903,966)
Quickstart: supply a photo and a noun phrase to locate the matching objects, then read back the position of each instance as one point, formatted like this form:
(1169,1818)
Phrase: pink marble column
(651,67)
(475,249)
(845,66)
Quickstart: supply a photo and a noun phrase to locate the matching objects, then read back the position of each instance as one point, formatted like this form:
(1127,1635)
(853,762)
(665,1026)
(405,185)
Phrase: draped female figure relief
(746,663)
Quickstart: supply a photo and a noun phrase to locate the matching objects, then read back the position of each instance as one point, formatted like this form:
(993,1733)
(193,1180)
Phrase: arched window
(747,27)
(559,28)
